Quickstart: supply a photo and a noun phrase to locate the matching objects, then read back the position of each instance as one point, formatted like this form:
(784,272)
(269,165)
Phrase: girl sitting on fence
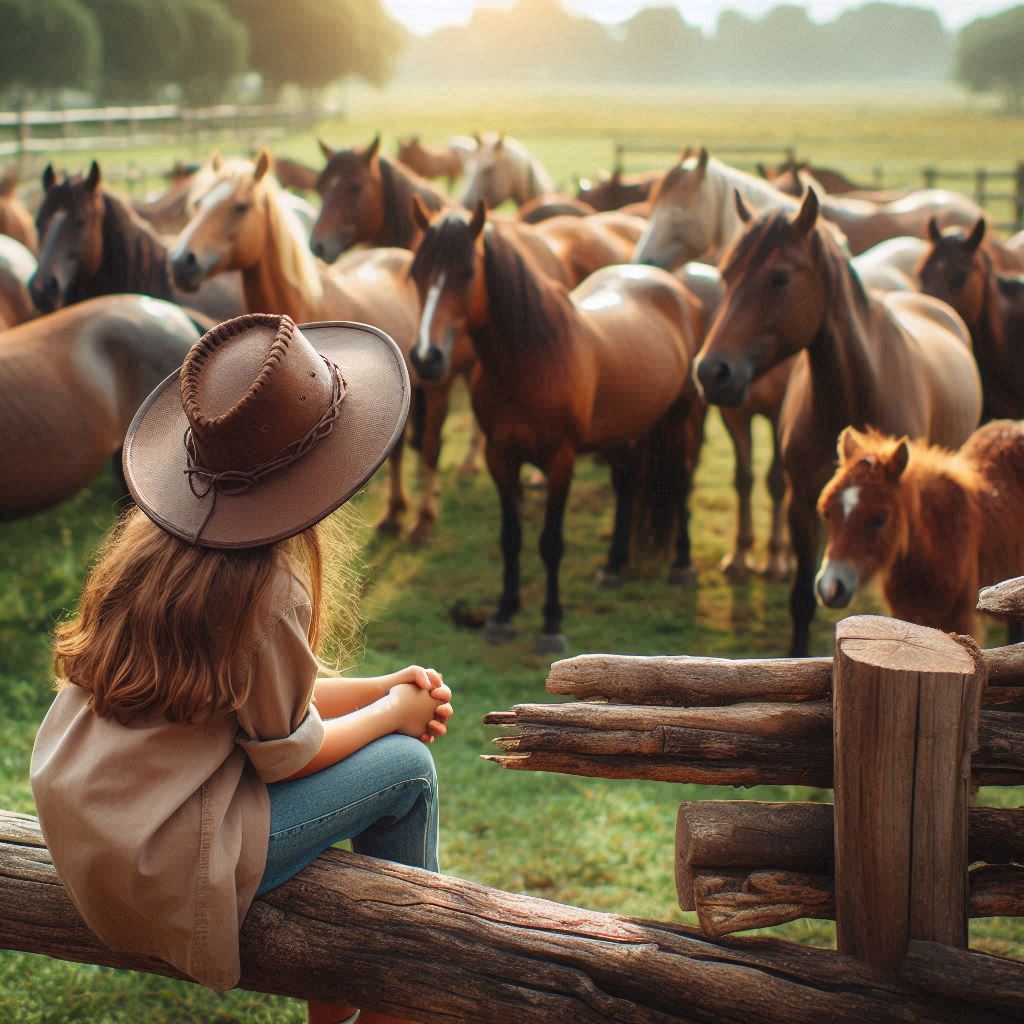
(192,759)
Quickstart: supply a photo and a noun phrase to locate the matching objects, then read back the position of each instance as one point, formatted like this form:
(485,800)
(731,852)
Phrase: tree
(658,45)
(217,50)
(988,56)
(47,44)
(311,43)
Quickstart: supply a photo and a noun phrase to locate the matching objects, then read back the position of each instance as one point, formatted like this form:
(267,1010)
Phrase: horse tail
(665,463)
(418,418)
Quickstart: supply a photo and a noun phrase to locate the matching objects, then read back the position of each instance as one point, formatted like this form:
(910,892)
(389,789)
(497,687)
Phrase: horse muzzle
(329,247)
(431,366)
(723,381)
(46,291)
(836,584)
(189,270)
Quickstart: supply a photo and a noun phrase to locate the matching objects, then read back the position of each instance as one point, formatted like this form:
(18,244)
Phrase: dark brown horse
(795,177)
(890,506)
(94,244)
(533,211)
(432,161)
(604,368)
(901,362)
(70,383)
(615,190)
(958,269)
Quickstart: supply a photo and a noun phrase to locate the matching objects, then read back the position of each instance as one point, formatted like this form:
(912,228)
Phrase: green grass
(606,845)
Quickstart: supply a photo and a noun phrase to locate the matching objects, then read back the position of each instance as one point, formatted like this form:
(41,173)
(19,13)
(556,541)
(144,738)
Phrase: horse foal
(932,524)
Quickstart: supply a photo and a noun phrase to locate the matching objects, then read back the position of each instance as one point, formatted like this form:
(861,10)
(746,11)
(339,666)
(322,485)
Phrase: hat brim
(370,422)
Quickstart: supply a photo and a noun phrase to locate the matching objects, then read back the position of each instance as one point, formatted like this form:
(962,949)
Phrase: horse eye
(877,521)
(958,281)
(780,278)
(241,208)
(355,189)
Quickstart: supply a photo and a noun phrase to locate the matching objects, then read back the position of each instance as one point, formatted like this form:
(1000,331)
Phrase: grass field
(605,845)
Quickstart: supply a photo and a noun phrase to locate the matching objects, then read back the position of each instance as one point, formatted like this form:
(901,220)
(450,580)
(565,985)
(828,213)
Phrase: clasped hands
(421,700)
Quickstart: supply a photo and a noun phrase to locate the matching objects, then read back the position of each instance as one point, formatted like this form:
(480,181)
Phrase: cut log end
(896,645)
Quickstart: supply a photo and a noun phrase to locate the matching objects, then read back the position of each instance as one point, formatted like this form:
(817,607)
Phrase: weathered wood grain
(1006,598)
(989,981)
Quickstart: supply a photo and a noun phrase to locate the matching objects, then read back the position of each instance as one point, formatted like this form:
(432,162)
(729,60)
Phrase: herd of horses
(875,331)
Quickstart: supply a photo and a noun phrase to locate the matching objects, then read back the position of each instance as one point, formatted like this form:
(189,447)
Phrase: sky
(424,16)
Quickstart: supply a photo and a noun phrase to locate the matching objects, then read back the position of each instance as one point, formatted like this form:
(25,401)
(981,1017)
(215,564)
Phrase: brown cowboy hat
(266,429)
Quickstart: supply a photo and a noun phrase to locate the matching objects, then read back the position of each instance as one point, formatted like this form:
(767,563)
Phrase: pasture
(605,845)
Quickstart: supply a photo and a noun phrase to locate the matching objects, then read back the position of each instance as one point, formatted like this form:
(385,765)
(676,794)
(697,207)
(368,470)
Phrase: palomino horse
(431,161)
(15,220)
(604,368)
(958,269)
(889,508)
(243,224)
(17,265)
(70,383)
(93,244)
(900,362)
(615,190)
(502,168)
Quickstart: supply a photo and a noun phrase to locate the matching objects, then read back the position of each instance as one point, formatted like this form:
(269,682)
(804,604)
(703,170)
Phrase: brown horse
(94,244)
(533,211)
(431,161)
(901,362)
(295,175)
(17,265)
(242,223)
(15,220)
(70,383)
(615,190)
(794,178)
(958,269)
(604,368)
(890,506)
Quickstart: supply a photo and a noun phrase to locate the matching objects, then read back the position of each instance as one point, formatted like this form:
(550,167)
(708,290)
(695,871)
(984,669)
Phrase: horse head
(954,268)
(70,226)
(494,173)
(682,218)
(868,522)
(352,191)
(448,270)
(778,278)
(228,226)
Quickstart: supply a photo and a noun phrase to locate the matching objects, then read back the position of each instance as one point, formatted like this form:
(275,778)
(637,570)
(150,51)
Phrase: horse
(889,507)
(15,220)
(603,368)
(899,361)
(242,223)
(17,265)
(958,268)
(502,168)
(294,174)
(431,161)
(615,190)
(794,178)
(94,244)
(533,211)
(70,383)
(891,265)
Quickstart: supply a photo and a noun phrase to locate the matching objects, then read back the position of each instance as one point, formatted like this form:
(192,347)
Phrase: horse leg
(505,472)
(737,565)
(683,573)
(470,464)
(552,546)
(778,565)
(803,529)
(430,453)
(623,479)
(391,524)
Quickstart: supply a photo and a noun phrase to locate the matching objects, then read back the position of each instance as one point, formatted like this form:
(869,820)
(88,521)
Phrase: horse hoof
(776,572)
(734,568)
(551,643)
(389,527)
(422,532)
(608,580)
(498,632)
(468,469)
(683,577)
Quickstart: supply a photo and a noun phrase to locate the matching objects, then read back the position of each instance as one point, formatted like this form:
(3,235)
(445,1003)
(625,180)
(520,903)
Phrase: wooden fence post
(930,176)
(1018,197)
(906,710)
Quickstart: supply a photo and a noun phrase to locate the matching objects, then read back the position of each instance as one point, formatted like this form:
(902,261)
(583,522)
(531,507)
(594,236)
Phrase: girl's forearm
(350,732)
(338,696)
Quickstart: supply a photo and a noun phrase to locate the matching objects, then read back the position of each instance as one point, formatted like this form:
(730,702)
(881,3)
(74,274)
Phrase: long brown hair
(161,624)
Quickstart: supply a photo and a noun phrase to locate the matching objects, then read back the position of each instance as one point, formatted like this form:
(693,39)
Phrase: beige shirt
(159,830)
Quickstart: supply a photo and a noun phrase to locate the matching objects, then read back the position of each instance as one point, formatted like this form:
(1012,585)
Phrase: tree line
(132,50)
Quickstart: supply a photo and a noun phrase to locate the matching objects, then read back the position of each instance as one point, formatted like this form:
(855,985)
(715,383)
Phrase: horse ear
(702,162)
(934,232)
(478,140)
(476,224)
(325,149)
(763,171)
(742,210)
(975,237)
(263,162)
(371,151)
(897,462)
(93,180)
(616,178)
(685,154)
(215,161)
(420,212)
(808,215)
(49,177)
(849,445)
(501,140)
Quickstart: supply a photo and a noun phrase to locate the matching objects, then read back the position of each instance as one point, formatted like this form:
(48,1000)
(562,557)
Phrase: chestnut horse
(15,220)
(502,168)
(615,190)
(890,506)
(70,383)
(795,178)
(958,269)
(604,368)
(94,244)
(17,265)
(431,161)
(243,223)
(901,362)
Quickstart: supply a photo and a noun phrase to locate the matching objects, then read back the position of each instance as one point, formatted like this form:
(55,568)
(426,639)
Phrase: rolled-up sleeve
(280,729)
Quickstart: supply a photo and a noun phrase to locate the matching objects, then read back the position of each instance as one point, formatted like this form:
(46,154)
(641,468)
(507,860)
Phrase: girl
(192,759)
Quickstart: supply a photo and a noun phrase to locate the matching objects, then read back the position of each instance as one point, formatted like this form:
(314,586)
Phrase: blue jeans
(383,797)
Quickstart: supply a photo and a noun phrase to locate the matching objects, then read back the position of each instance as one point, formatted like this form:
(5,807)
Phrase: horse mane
(400,185)
(134,257)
